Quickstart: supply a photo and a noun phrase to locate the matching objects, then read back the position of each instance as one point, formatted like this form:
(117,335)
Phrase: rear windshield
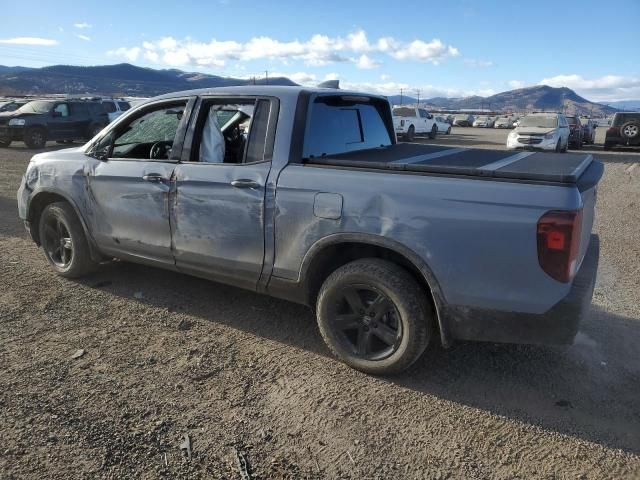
(339,124)
(538,121)
(109,106)
(621,118)
(404,112)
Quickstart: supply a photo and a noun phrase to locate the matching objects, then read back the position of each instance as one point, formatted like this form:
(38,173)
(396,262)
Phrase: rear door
(217,215)
(61,124)
(130,189)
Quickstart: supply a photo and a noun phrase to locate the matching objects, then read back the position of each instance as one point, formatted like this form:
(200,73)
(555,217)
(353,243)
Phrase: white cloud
(82,25)
(366,63)
(477,63)
(151,56)
(602,89)
(130,54)
(83,37)
(61,30)
(384,77)
(516,83)
(43,42)
(318,50)
(434,51)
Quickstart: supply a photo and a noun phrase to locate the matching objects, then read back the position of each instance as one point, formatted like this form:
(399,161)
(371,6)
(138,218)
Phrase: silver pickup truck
(304,194)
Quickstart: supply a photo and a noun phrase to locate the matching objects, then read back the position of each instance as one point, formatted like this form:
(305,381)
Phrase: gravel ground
(246,376)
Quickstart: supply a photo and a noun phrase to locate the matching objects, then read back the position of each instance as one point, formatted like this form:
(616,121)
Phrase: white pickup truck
(411,121)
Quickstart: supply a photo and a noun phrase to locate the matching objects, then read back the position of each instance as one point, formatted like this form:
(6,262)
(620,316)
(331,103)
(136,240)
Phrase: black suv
(624,130)
(60,120)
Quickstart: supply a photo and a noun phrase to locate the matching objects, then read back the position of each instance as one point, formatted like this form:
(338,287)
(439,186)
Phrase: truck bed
(411,157)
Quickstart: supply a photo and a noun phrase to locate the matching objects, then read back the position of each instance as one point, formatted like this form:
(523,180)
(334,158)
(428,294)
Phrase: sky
(448,48)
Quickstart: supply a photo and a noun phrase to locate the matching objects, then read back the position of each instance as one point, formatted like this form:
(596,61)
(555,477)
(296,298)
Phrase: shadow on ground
(589,390)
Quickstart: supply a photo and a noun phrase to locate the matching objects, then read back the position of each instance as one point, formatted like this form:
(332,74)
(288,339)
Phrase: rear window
(344,124)
(124,106)
(621,118)
(404,112)
(109,107)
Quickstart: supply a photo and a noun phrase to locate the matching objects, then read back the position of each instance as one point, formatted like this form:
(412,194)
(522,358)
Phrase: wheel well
(36,207)
(332,257)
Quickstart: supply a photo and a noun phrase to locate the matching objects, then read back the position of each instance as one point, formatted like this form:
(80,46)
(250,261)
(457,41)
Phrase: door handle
(245,183)
(153,178)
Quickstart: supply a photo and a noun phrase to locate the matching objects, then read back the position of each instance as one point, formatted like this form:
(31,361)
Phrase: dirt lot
(168,355)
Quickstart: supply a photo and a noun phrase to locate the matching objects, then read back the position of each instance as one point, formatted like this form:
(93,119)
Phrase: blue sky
(449,48)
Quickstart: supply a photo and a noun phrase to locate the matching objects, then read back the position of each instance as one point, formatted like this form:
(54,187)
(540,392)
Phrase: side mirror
(102,148)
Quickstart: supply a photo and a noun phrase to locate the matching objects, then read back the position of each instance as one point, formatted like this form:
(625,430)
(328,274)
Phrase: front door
(130,189)
(217,214)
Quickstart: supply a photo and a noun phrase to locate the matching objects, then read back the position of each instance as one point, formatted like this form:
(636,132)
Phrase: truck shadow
(588,390)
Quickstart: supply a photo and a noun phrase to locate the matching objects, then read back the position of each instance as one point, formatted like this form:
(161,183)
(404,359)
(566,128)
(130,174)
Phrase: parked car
(624,130)
(11,105)
(503,122)
(588,130)
(320,205)
(576,135)
(115,107)
(412,121)
(41,120)
(463,120)
(443,125)
(542,131)
(484,121)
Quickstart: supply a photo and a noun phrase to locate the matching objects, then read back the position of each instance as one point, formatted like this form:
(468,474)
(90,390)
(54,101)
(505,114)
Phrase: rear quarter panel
(478,237)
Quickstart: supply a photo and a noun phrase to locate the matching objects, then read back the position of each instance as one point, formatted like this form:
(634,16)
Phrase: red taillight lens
(559,243)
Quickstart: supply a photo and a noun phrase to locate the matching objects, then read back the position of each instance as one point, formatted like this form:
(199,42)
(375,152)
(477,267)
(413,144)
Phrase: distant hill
(121,79)
(625,105)
(540,97)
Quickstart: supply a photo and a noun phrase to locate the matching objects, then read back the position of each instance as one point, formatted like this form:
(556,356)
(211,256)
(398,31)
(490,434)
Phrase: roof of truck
(279,91)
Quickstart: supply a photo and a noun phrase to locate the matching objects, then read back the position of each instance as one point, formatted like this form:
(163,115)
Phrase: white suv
(540,131)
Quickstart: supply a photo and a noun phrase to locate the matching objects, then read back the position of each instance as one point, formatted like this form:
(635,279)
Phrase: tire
(448,131)
(5,143)
(559,146)
(566,146)
(630,130)
(433,133)
(411,134)
(64,242)
(384,302)
(35,137)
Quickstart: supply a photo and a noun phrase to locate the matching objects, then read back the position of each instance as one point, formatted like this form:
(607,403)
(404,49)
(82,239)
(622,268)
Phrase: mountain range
(128,80)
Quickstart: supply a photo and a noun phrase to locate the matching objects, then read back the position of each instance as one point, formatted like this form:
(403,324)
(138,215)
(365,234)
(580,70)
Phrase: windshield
(36,106)
(482,119)
(539,121)
(461,117)
(404,112)
(503,119)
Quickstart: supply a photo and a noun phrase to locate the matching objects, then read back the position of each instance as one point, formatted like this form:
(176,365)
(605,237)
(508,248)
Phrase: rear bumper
(559,325)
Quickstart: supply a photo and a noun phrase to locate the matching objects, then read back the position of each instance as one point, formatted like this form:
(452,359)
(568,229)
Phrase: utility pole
(418,93)
(401,91)
(266,76)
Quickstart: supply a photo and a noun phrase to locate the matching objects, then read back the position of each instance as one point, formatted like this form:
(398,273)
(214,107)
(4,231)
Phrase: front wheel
(433,133)
(374,316)
(448,131)
(559,146)
(35,138)
(63,241)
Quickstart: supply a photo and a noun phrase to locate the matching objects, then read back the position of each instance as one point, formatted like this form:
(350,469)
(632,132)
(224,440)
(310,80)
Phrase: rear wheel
(630,130)
(411,134)
(35,138)
(434,132)
(63,241)
(374,316)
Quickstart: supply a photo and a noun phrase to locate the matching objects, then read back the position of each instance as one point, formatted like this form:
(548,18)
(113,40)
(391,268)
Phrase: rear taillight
(559,243)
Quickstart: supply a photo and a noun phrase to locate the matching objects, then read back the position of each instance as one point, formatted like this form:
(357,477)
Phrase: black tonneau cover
(412,157)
